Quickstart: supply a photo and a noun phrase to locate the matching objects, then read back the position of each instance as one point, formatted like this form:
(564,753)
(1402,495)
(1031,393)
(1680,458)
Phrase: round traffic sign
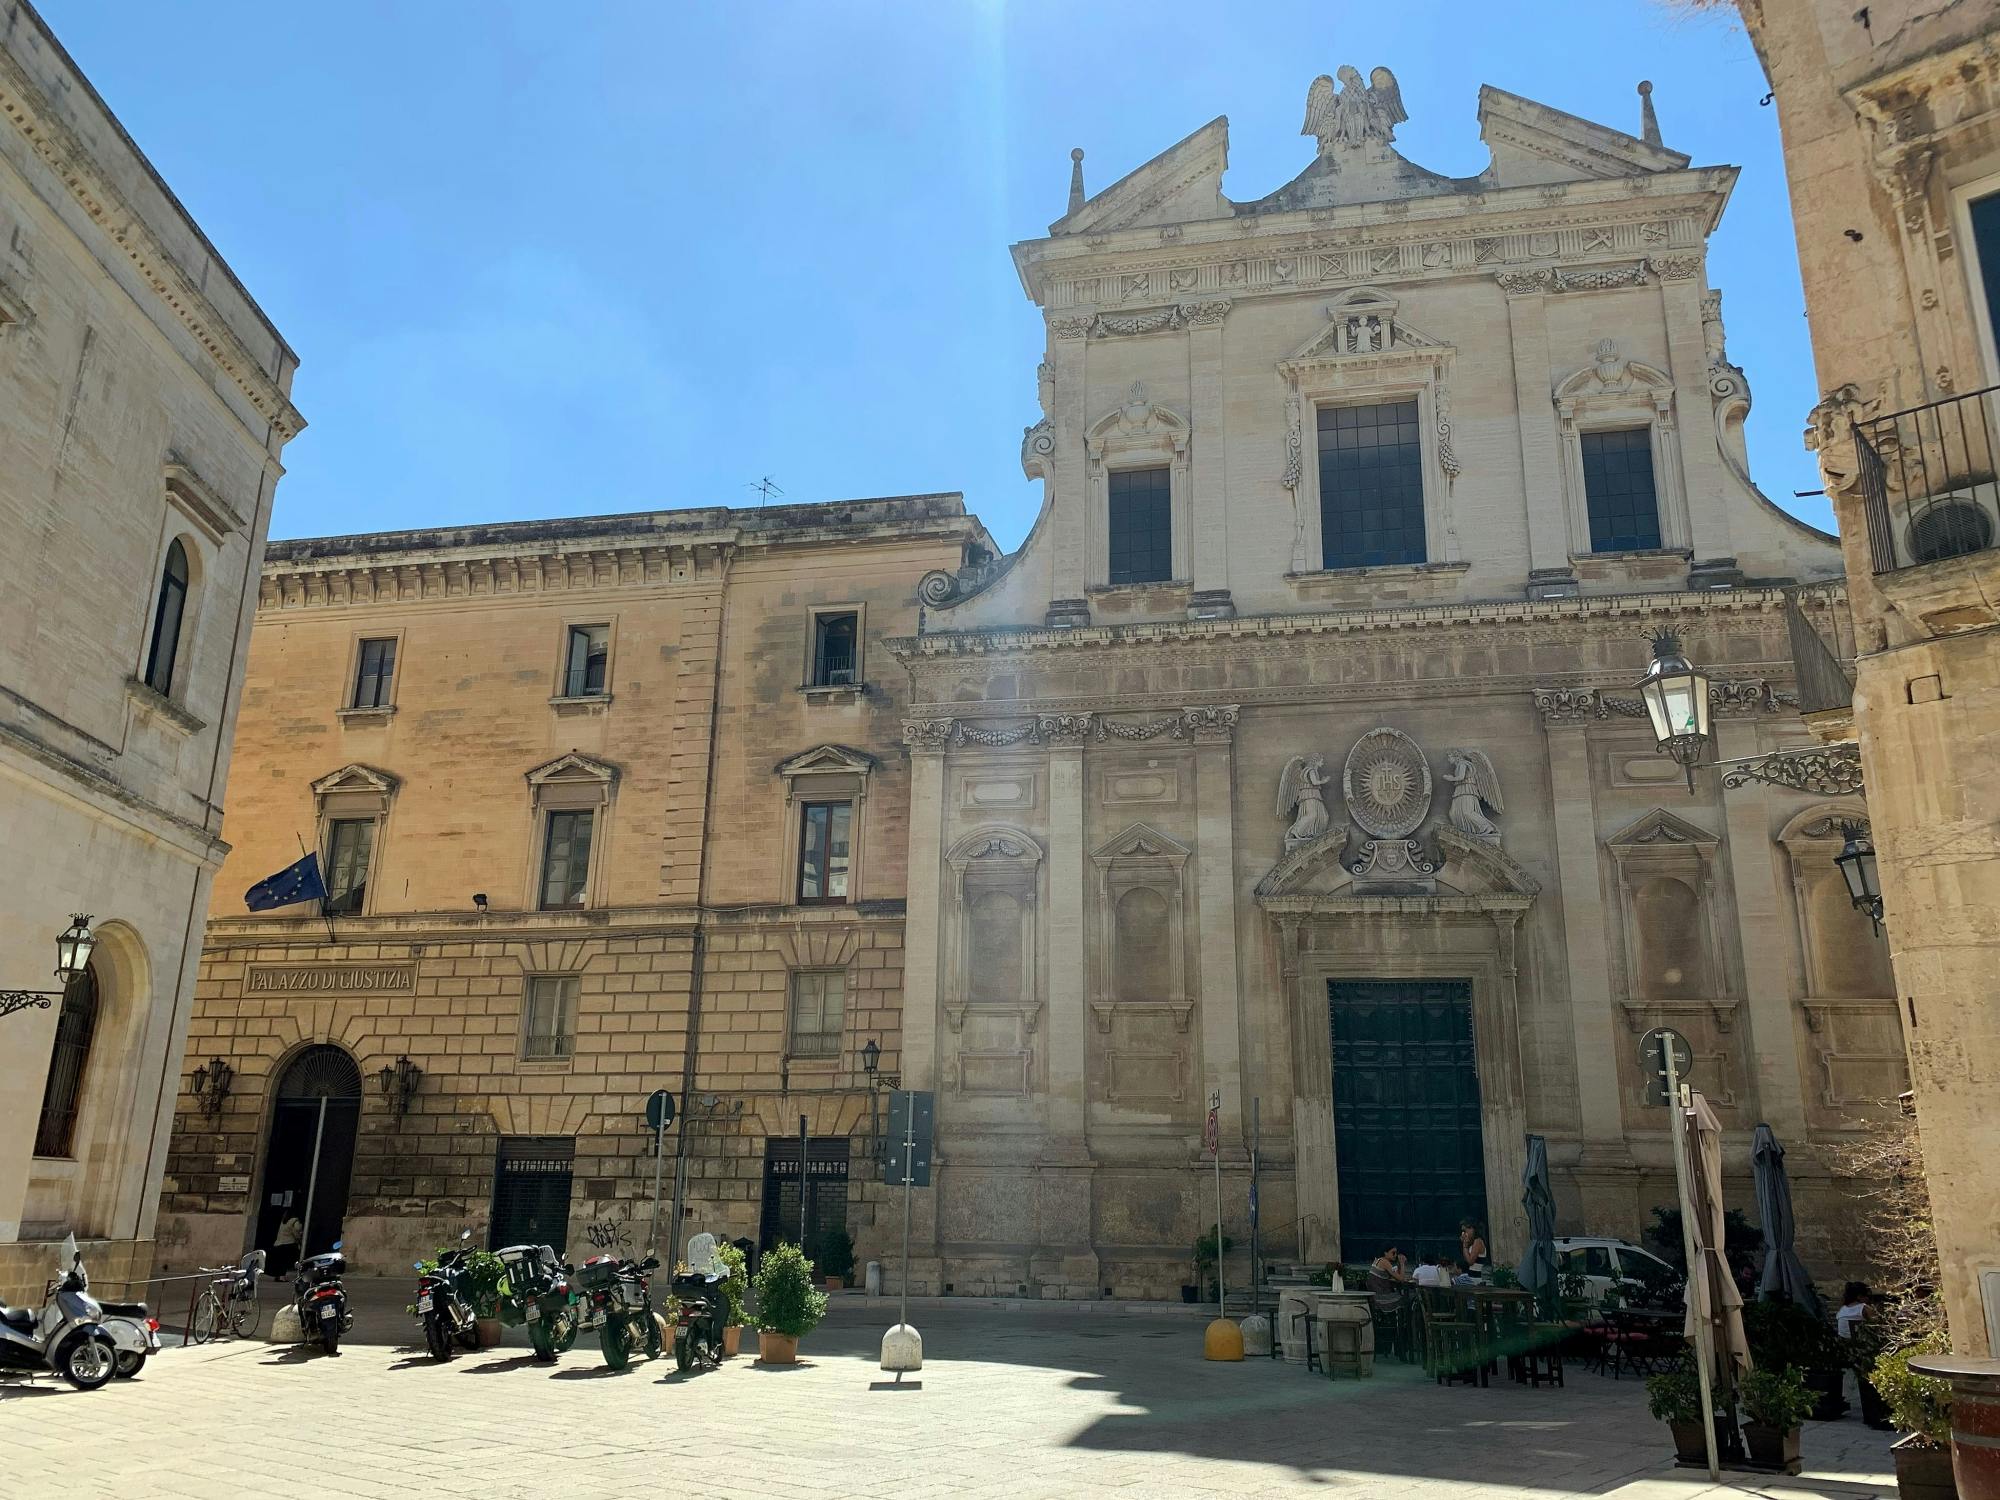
(660,1110)
(1653,1052)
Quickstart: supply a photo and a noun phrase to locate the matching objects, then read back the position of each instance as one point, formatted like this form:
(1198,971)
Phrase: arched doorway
(316,1112)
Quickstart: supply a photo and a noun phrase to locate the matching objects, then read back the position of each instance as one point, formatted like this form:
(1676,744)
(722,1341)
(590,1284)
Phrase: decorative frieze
(1200,724)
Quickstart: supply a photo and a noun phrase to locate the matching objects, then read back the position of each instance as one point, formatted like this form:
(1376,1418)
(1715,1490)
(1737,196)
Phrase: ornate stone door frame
(1470,934)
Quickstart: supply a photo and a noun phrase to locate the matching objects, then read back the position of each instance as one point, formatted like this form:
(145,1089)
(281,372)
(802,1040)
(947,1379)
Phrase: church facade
(1291,769)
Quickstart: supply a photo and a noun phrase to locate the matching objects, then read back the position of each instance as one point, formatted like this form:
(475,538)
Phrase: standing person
(1853,1309)
(291,1234)
(1471,1246)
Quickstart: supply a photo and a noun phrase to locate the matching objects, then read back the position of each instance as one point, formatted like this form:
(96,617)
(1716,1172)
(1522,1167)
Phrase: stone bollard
(285,1325)
(1257,1335)
(872,1278)
(902,1349)
(1222,1340)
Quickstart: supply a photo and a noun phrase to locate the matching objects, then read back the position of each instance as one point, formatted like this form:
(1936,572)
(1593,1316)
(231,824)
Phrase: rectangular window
(1618,488)
(819,999)
(350,849)
(375,674)
(1985,216)
(834,658)
(589,650)
(566,860)
(1141,526)
(823,850)
(548,1017)
(1371,485)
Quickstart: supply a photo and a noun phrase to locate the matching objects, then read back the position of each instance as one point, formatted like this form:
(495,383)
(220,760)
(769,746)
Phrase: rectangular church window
(1618,489)
(1142,527)
(1371,485)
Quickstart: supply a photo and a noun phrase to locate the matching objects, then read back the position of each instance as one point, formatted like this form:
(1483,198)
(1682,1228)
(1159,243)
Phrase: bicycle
(229,1301)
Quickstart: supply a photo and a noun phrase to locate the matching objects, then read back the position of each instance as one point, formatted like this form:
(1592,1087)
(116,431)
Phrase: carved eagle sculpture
(1354,113)
(1475,794)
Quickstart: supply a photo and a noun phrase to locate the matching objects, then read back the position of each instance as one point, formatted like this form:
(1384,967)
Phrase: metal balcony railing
(1928,480)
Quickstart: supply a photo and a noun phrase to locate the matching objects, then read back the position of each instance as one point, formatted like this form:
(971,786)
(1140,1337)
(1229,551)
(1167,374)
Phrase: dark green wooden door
(1405,1115)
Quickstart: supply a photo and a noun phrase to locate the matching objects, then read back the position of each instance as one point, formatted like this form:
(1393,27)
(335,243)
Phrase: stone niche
(992,994)
(1142,1033)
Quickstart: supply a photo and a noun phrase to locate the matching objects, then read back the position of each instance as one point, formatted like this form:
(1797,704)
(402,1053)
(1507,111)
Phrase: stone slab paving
(1011,1403)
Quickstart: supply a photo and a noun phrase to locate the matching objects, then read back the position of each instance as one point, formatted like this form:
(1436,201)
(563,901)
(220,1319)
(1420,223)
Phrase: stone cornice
(126,228)
(1627,611)
(1405,240)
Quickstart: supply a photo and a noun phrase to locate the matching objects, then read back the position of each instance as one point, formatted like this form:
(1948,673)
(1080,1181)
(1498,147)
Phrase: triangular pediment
(1364,323)
(825,760)
(1142,844)
(1180,185)
(1661,829)
(573,769)
(1532,143)
(356,777)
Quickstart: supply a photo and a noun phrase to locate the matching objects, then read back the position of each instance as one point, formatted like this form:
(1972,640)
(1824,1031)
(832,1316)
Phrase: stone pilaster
(1068,1019)
(1072,525)
(1214,732)
(926,739)
(1208,546)
(1541,448)
(1761,912)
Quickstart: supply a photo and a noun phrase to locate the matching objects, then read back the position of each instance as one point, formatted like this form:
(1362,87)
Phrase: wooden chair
(1453,1349)
(1307,1316)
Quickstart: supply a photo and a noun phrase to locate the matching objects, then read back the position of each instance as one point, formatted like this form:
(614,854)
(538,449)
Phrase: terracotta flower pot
(1922,1471)
(1772,1447)
(732,1339)
(1690,1443)
(777,1349)
(836,1283)
(489,1332)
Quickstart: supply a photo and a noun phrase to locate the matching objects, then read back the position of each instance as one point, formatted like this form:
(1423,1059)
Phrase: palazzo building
(1291,766)
(572,784)
(144,402)
(1892,145)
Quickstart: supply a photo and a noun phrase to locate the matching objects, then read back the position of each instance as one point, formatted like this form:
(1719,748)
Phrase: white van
(1608,1263)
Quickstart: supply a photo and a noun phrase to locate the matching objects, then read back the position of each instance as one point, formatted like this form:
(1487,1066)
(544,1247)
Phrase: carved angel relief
(1475,794)
(1388,792)
(1302,799)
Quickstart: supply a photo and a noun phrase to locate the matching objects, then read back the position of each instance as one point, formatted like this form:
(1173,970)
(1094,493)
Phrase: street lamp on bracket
(871,1065)
(1857,867)
(1676,699)
(73,949)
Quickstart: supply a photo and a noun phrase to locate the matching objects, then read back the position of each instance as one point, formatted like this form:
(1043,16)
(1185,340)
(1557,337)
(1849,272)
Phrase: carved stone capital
(1064,731)
(1212,723)
(1206,314)
(1073,328)
(928,736)
(1675,267)
(1566,705)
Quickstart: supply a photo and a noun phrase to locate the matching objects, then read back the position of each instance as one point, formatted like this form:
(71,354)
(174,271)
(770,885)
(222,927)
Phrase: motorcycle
(538,1294)
(703,1307)
(441,1304)
(135,1334)
(321,1299)
(621,1305)
(68,1337)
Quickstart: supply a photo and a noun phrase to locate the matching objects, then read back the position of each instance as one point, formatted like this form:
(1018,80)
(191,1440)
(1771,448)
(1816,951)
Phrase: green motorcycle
(537,1292)
(621,1307)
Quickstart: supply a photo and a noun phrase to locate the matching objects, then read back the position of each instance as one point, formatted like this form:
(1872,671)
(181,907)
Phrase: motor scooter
(135,1333)
(703,1309)
(321,1299)
(68,1337)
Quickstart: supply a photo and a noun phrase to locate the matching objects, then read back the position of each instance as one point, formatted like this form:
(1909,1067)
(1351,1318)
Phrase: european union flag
(299,882)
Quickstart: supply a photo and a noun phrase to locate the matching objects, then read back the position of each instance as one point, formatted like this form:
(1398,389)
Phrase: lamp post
(1676,699)
(73,949)
(871,1063)
(1856,861)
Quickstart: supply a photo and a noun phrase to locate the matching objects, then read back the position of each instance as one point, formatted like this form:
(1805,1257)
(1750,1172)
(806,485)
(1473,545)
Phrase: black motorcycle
(704,1311)
(321,1299)
(441,1304)
(537,1292)
(621,1305)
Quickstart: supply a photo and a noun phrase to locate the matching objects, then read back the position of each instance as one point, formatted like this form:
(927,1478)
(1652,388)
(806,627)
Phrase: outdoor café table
(1487,1308)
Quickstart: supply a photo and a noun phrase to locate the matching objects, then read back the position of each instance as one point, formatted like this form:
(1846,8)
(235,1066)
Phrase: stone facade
(695,750)
(1893,153)
(144,401)
(1169,836)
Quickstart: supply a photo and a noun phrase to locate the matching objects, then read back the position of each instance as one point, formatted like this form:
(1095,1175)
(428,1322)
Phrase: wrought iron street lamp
(871,1064)
(1676,699)
(210,1085)
(399,1081)
(73,949)
(1857,867)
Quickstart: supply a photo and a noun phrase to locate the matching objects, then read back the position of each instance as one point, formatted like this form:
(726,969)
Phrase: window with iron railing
(819,1005)
(1927,477)
(548,1018)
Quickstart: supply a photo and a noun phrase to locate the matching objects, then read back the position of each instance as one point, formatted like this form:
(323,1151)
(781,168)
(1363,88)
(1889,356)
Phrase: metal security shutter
(826,1184)
(531,1180)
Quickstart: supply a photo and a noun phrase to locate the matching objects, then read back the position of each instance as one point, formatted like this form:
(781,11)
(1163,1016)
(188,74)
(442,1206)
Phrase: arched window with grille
(76,1025)
(167,616)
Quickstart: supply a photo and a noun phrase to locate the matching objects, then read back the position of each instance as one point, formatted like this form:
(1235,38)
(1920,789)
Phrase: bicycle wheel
(208,1319)
(244,1314)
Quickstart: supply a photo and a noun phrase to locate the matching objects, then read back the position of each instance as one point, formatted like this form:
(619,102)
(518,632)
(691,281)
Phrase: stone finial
(1649,123)
(1075,179)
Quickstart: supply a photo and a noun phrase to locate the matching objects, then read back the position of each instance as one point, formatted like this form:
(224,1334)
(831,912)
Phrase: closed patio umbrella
(1784,1274)
(1538,1261)
(1711,1290)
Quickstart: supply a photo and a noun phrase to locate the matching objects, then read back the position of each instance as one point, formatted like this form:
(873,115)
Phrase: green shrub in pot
(1775,1398)
(787,1301)
(1919,1405)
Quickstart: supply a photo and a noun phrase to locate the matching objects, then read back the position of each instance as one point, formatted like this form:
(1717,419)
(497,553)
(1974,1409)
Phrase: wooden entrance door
(1406,1131)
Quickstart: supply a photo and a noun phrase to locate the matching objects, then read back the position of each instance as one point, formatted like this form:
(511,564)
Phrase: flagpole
(324,915)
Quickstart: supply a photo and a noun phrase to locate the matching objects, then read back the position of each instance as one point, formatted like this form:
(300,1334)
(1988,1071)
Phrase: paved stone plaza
(1014,1404)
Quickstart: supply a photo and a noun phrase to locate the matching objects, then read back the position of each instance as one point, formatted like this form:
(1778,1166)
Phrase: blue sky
(543,261)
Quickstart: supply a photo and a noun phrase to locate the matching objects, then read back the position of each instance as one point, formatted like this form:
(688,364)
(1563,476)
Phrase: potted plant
(1574,1289)
(1674,1397)
(1205,1258)
(1920,1409)
(789,1306)
(1784,1336)
(1775,1402)
(484,1274)
(734,1290)
(1504,1277)
(834,1258)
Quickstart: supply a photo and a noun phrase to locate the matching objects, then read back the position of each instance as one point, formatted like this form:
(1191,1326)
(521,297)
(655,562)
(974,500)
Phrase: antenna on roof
(1649,123)
(765,489)
(1075,179)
